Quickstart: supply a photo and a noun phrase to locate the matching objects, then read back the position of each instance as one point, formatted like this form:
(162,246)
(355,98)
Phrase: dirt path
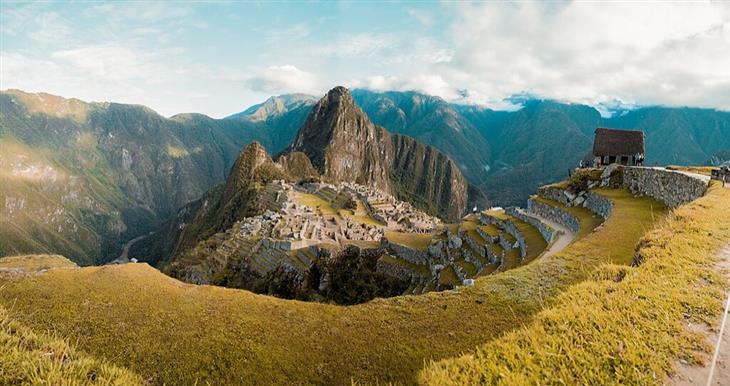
(124,257)
(717,370)
(564,239)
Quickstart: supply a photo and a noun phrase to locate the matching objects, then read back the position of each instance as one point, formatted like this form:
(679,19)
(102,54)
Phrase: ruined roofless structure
(625,147)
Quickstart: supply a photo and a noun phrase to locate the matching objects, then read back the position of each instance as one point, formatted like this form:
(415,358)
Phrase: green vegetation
(316,203)
(36,262)
(624,325)
(28,358)
(705,170)
(588,220)
(140,319)
(417,241)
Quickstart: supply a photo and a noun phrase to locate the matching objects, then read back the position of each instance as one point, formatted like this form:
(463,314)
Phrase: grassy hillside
(143,320)
(29,358)
(625,325)
(82,178)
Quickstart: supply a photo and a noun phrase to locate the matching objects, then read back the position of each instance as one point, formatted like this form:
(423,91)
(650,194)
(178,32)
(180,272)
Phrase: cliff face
(344,145)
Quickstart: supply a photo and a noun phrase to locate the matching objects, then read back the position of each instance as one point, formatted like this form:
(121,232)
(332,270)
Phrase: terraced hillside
(226,336)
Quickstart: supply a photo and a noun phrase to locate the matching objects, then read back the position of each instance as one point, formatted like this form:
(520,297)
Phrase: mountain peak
(275,106)
(341,142)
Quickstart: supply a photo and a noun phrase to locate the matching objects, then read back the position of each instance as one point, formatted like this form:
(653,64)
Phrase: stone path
(717,370)
(563,240)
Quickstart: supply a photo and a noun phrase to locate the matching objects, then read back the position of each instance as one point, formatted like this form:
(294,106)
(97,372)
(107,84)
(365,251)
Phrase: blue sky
(219,57)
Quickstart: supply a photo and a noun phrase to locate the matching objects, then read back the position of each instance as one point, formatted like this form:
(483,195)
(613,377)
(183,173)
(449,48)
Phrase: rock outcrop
(344,146)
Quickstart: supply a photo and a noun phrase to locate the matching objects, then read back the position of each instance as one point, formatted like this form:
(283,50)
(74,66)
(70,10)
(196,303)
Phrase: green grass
(36,262)
(490,230)
(588,220)
(417,241)
(533,239)
(705,170)
(421,270)
(28,358)
(448,277)
(624,325)
(316,203)
(175,333)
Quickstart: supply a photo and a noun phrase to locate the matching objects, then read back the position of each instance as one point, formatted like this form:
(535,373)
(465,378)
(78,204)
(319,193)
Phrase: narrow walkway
(717,370)
(564,239)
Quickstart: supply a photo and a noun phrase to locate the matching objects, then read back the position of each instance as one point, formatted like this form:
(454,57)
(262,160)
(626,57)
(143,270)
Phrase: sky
(218,58)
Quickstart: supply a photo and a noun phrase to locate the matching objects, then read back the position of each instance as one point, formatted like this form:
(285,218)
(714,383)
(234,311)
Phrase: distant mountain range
(82,178)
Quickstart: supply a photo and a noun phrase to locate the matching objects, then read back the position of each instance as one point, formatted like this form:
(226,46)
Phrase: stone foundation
(548,234)
(598,204)
(554,214)
(670,187)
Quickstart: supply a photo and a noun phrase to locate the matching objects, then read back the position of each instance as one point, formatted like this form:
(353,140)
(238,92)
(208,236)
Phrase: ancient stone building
(625,147)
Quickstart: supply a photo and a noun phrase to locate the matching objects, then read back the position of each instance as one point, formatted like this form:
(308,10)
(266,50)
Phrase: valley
(385,262)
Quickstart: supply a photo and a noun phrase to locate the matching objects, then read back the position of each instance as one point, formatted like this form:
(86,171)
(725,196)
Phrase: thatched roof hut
(618,146)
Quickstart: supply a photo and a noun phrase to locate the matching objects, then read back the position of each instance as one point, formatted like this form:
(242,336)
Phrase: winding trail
(124,256)
(564,239)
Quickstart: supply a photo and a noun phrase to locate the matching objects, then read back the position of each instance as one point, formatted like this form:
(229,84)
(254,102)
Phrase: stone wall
(553,213)
(511,228)
(548,233)
(478,248)
(396,270)
(553,193)
(598,204)
(408,254)
(670,187)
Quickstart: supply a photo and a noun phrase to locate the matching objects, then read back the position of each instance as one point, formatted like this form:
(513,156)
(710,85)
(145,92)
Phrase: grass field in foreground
(624,326)
(178,333)
(27,358)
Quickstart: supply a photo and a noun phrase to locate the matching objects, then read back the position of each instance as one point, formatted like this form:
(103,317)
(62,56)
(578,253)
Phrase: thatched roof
(618,142)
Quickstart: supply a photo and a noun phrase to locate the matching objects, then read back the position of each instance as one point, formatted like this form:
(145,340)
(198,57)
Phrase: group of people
(639,159)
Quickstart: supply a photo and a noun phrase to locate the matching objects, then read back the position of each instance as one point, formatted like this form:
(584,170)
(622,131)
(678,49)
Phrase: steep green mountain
(82,178)
(430,120)
(337,143)
(535,145)
(275,122)
(683,136)
(344,146)
(539,143)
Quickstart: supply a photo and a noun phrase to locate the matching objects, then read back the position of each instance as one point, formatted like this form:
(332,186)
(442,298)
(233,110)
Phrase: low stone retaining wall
(511,228)
(598,204)
(394,269)
(408,254)
(478,248)
(554,214)
(486,236)
(548,233)
(553,193)
(670,187)
(506,245)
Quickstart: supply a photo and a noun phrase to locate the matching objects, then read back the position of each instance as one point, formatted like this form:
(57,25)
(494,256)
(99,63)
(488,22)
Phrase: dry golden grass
(705,170)
(176,333)
(623,326)
(36,262)
(417,241)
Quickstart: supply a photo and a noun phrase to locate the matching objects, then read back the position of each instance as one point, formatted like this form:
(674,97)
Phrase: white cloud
(657,53)
(282,79)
